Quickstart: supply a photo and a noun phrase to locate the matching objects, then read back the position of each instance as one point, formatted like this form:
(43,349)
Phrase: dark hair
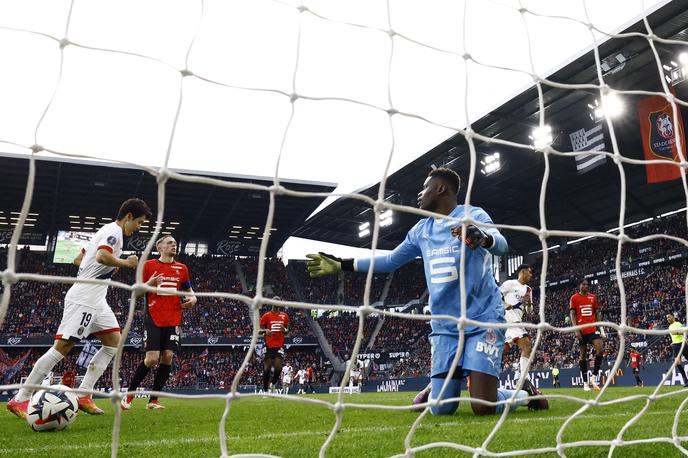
(524,266)
(449,176)
(136,207)
(581,280)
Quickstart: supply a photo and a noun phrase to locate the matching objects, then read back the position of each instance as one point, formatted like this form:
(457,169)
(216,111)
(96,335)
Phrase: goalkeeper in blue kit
(437,241)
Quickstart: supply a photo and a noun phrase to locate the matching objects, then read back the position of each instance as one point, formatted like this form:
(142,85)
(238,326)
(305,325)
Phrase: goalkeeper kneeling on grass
(437,241)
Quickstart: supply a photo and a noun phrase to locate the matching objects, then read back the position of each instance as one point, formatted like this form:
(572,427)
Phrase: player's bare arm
(154,281)
(108,259)
(598,317)
(79,257)
(574,320)
(528,303)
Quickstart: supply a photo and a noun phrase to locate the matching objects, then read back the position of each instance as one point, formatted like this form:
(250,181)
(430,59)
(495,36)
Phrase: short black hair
(450,177)
(524,266)
(136,207)
(581,280)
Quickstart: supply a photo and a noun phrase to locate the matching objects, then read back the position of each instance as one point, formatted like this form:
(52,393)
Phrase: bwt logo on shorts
(487,348)
(14,340)
(213,340)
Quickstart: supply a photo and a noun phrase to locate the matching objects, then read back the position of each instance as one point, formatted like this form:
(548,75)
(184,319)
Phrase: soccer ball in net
(52,410)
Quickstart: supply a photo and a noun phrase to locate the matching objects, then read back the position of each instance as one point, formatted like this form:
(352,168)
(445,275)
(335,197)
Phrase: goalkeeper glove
(322,264)
(473,237)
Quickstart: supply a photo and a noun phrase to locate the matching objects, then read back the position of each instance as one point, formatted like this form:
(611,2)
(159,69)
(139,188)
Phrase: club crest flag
(658,131)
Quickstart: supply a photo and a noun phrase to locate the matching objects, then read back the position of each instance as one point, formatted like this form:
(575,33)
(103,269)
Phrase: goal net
(321,86)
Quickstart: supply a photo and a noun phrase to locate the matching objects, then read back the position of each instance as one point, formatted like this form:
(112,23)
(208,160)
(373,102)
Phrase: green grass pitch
(291,429)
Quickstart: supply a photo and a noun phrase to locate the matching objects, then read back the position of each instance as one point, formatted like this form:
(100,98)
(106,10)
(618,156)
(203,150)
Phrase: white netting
(164,174)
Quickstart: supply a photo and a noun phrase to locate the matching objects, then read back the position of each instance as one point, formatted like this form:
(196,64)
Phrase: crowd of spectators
(341,328)
(400,333)
(353,288)
(599,253)
(322,290)
(408,283)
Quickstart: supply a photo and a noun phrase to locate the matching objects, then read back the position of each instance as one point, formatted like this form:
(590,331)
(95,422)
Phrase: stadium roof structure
(81,195)
(585,202)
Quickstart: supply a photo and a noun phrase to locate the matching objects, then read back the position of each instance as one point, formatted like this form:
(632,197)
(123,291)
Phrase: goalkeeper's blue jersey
(432,240)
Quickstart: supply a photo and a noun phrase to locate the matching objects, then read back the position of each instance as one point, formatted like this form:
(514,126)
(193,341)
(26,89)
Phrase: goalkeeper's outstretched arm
(322,264)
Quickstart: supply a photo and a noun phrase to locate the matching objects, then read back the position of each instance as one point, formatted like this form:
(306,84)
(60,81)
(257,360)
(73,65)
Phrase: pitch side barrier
(651,374)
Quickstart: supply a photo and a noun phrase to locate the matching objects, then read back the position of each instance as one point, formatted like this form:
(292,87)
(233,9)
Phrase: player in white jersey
(301,376)
(85,310)
(287,374)
(518,298)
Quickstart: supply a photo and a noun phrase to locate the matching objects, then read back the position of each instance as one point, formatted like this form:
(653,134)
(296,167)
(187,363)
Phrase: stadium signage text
(26,238)
(389,386)
(629,273)
(137,243)
(347,389)
(652,374)
(382,356)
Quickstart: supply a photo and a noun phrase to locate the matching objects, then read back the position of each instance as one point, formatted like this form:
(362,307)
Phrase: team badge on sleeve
(112,240)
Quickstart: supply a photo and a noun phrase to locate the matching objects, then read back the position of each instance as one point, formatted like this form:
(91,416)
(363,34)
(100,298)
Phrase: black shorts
(636,370)
(676,350)
(589,338)
(157,338)
(277,352)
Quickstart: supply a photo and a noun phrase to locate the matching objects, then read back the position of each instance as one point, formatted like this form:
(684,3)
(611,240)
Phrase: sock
(453,391)
(161,376)
(97,366)
(141,371)
(679,368)
(503,395)
(44,365)
(598,365)
(584,369)
(266,379)
(523,362)
(276,376)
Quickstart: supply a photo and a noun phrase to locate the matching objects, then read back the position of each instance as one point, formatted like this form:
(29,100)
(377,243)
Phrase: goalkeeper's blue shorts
(482,352)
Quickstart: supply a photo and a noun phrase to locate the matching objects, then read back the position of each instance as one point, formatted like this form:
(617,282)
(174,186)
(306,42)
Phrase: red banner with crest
(657,129)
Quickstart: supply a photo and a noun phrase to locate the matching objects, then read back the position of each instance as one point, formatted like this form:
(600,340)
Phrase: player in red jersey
(310,377)
(634,362)
(273,325)
(163,317)
(68,378)
(583,310)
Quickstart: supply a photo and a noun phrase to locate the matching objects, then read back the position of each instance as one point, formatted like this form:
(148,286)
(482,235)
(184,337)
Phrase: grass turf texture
(286,428)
